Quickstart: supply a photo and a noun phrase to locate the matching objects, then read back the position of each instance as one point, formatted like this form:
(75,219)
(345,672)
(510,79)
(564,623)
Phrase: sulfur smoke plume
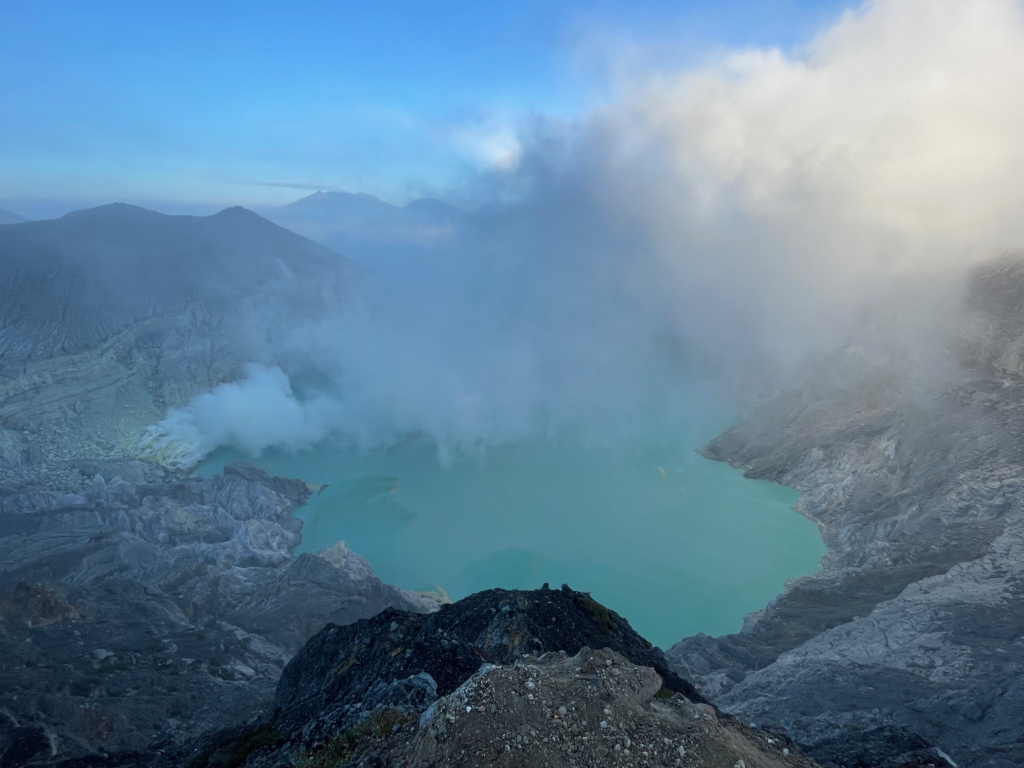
(695,226)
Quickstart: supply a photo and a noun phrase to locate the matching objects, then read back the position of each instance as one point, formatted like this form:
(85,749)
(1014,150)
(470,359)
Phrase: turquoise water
(675,543)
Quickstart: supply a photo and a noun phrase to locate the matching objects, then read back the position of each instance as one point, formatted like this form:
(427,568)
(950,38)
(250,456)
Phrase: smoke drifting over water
(701,223)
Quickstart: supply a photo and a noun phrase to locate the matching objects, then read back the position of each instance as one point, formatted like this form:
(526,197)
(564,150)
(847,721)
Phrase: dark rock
(22,744)
(399,662)
(340,665)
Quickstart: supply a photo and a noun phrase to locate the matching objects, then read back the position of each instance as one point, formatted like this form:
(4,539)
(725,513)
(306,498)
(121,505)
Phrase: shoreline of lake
(679,543)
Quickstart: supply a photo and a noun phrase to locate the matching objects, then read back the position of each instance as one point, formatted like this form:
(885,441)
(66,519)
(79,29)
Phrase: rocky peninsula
(504,678)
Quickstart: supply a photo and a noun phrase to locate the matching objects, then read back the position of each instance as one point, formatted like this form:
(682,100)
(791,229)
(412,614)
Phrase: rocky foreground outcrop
(913,632)
(501,678)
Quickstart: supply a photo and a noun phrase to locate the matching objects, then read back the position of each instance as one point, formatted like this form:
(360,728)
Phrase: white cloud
(490,143)
(890,145)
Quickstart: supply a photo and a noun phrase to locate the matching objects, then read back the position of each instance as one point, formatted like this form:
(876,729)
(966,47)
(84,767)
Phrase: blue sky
(192,106)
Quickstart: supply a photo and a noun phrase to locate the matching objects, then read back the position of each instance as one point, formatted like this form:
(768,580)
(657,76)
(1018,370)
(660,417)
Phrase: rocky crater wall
(912,628)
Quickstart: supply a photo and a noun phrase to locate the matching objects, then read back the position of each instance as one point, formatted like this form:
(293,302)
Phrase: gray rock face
(594,708)
(14,451)
(913,626)
(134,612)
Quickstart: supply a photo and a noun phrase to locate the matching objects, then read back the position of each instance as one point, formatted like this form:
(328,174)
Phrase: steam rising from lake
(702,228)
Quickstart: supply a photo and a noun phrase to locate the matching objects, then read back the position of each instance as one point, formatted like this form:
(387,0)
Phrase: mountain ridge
(117,264)
(367,227)
(7,217)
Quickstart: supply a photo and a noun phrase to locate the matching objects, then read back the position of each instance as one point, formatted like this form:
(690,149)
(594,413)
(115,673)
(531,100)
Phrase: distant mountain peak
(112,208)
(361,225)
(330,204)
(322,202)
(237,212)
